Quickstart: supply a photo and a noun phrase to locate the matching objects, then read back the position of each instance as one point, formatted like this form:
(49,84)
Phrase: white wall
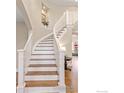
(74,40)
(66,41)
(69,48)
(21,35)
(55,14)
(73,15)
(22,13)
(33,9)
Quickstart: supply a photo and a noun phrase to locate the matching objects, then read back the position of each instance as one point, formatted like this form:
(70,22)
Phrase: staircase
(41,68)
(42,75)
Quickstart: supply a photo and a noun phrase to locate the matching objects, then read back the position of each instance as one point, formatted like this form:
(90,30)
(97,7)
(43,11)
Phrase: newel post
(20,71)
(61,68)
(62,86)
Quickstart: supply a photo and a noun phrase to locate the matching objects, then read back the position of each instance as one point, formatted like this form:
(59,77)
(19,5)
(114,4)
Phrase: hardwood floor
(16,79)
(71,77)
(68,80)
(75,74)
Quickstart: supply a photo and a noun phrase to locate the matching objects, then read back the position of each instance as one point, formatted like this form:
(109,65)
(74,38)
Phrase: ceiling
(60,3)
(63,2)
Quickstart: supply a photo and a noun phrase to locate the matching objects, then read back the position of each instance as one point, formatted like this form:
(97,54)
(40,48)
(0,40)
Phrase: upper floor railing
(67,20)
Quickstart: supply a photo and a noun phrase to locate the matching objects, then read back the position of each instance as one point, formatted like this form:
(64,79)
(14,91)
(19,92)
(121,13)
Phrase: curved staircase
(42,70)
(42,75)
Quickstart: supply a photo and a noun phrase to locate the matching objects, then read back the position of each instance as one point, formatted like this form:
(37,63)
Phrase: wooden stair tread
(44,50)
(58,35)
(46,59)
(49,38)
(45,43)
(60,32)
(44,54)
(47,83)
(16,78)
(46,40)
(42,73)
(42,65)
(43,46)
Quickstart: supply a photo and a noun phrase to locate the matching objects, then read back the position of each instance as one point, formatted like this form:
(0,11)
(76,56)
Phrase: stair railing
(59,52)
(23,60)
(61,23)
(65,22)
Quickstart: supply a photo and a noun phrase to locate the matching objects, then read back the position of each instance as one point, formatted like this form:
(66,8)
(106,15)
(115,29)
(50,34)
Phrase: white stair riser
(45,45)
(49,38)
(41,77)
(48,41)
(41,48)
(42,69)
(43,52)
(43,62)
(42,90)
(43,56)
